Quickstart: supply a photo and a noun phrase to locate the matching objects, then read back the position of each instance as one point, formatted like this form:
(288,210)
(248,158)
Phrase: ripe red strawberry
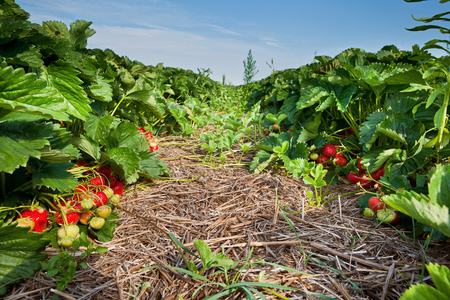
(141,130)
(361,167)
(365,181)
(117,187)
(378,173)
(71,216)
(340,160)
(84,164)
(100,199)
(97,181)
(353,177)
(376,204)
(153,148)
(329,150)
(104,170)
(322,159)
(40,217)
(81,188)
(148,135)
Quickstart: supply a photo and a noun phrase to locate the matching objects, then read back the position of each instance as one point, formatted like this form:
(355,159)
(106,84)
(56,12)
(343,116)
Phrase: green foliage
(432,210)
(250,69)
(438,18)
(441,279)
(20,254)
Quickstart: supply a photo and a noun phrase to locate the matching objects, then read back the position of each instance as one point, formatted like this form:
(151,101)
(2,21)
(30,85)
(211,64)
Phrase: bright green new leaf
(441,278)
(203,251)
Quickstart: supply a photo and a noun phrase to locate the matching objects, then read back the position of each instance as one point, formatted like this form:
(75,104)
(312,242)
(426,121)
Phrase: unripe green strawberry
(71,230)
(386,215)
(314,156)
(115,199)
(97,223)
(66,241)
(368,212)
(87,203)
(104,211)
(108,191)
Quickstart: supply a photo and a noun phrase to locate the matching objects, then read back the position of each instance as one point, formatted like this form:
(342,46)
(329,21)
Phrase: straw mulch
(235,211)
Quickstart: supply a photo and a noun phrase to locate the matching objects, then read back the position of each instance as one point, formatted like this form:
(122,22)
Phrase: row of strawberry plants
(72,136)
(385,111)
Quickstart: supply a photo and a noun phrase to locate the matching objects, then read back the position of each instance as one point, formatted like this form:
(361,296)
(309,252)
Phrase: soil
(331,249)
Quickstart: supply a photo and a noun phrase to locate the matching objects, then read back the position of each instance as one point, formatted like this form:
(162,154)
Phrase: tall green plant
(250,69)
(434,44)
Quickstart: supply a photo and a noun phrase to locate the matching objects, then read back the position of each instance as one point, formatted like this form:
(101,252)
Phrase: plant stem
(117,106)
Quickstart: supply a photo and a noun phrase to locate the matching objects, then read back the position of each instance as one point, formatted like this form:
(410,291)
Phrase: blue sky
(193,34)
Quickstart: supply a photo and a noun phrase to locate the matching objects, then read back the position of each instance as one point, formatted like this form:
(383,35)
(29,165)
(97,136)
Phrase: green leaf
(439,186)
(368,129)
(100,89)
(151,165)
(52,175)
(402,128)
(21,140)
(421,208)
(20,254)
(125,157)
(79,33)
(312,95)
(125,135)
(441,277)
(423,291)
(64,77)
(203,251)
(25,93)
(97,127)
(88,146)
(310,130)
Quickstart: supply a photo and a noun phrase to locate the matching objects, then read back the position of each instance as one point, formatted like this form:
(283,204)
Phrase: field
(125,181)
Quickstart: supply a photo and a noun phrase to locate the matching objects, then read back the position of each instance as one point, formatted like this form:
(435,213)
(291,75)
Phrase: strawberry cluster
(328,153)
(88,204)
(152,141)
(365,178)
(382,212)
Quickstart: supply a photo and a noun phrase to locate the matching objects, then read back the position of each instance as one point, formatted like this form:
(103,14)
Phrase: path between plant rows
(235,210)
